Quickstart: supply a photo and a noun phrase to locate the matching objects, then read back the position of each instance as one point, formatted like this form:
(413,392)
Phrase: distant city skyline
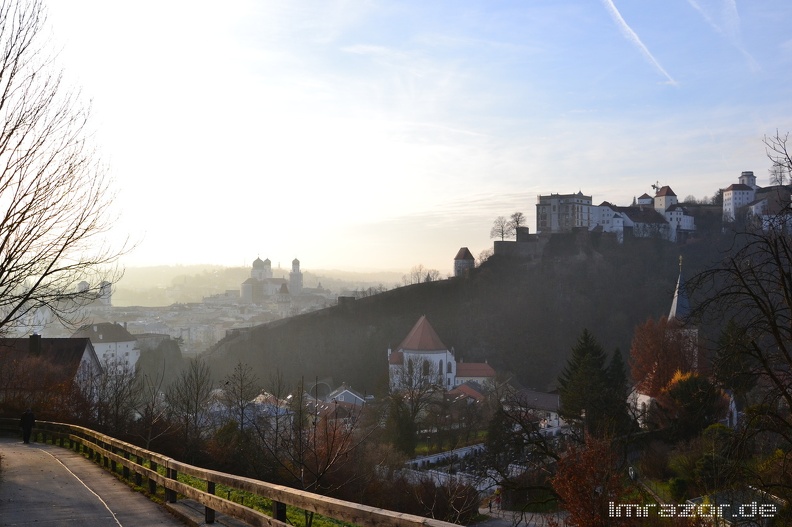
(365,136)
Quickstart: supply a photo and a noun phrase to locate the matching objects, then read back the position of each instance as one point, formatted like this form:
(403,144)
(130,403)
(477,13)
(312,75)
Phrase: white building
(422,360)
(113,344)
(739,195)
(563,212)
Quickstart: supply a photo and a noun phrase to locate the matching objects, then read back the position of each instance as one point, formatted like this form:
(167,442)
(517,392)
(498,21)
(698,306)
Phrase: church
(423,360)
(261,286)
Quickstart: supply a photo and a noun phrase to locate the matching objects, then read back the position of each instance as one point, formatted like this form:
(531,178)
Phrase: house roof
(422,337)
(539,400)
(104,332)
(468,389)
(65,354)
(737,186)
(645,196)
(474,369)
(639,215)
(464,254)
(665,190)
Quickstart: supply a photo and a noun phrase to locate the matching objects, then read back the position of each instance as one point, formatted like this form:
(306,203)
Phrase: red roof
(422,337)
(474,369)
(464,254)
(665,191)
(467,391)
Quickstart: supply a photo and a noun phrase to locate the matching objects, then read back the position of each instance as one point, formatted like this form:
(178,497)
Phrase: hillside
(522,317)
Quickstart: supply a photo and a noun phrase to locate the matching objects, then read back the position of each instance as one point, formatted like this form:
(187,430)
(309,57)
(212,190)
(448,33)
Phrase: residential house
(36,367)
(114,345)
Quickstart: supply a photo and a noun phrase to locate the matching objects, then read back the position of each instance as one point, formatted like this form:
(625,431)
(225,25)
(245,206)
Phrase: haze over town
(374,136)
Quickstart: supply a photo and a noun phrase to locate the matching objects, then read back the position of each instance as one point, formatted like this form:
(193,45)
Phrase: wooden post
(170,494)
(209,514)
(152,483)
(279,511)
(126,468)
(138,475)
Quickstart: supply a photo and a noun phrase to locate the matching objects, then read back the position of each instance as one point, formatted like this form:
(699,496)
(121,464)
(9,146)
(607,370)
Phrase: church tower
(679,321)
(295,278)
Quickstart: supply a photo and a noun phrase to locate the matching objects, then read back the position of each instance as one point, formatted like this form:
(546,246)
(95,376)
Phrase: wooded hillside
(520,316)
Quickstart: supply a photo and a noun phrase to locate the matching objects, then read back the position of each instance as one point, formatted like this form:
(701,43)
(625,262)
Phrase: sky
(374,135)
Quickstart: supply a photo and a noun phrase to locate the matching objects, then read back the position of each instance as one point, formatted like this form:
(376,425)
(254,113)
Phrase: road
(46,485)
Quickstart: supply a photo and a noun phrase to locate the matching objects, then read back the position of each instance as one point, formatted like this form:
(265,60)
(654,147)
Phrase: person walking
(26,423)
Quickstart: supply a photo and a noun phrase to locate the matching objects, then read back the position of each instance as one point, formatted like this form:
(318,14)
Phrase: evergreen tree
(587,384)
(617,393)
(584,381)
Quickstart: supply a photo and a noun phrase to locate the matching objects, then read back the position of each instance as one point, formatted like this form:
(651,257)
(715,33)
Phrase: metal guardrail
(139,463)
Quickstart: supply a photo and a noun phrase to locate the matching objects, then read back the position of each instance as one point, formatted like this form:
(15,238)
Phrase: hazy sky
(381,134)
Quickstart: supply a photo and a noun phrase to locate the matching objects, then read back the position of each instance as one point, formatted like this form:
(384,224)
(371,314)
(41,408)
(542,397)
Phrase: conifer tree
(583,382)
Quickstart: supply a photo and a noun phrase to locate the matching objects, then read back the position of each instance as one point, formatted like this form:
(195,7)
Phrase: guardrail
(140,464)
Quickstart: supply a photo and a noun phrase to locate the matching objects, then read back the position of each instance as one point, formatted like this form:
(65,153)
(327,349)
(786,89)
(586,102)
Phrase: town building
(114,345)
(57,362)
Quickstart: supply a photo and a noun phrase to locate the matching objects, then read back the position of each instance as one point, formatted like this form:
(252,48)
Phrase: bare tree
(189,399)
(54,193)
(501,228)
(117,393)
(517,220)
(152,409)
(779,155)
(239,389)
(312,441)
(484,255)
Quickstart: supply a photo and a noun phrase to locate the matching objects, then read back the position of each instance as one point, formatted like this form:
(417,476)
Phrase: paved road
(48,486)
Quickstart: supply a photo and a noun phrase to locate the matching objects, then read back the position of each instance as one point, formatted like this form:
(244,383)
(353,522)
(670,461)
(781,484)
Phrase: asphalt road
(45,485)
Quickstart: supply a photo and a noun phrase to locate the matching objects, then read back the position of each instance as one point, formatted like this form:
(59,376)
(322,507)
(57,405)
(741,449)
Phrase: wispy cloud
(633,37)
(729,26)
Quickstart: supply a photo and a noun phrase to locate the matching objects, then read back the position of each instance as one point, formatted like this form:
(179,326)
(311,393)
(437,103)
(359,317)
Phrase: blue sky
(381,135)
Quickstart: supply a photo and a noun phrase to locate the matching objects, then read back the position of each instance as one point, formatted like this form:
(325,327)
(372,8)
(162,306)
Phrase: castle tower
(463,262)
(748,178)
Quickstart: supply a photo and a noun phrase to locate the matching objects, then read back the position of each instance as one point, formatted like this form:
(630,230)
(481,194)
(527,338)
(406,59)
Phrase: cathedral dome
(258,264)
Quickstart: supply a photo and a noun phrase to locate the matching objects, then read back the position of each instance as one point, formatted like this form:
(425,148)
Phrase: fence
(138,464)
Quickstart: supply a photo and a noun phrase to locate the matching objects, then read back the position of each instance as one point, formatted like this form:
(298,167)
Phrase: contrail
(630,34)
(730,28)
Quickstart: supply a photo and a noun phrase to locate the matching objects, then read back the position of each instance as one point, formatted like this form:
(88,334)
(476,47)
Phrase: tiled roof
(474,369)
(467,390)
(665,190)
(104,332)
(737,186)
(464,254)
(539,400)
(643,215)
(422,337)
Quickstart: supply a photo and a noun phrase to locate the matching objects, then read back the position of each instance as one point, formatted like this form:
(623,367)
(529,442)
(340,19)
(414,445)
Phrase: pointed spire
(680,307)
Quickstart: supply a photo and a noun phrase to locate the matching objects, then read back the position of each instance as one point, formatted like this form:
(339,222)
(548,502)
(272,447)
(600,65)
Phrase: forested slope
(520,316)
